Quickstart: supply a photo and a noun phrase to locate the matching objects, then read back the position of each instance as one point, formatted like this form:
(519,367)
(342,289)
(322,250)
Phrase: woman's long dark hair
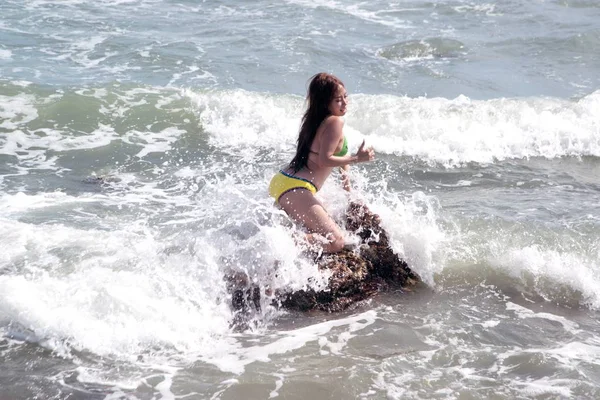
(322,88)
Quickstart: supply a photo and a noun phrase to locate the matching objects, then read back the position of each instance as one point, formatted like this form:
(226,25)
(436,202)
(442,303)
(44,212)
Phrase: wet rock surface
(356,274)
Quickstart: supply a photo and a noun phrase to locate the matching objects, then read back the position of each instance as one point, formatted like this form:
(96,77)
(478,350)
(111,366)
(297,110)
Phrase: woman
(322,146)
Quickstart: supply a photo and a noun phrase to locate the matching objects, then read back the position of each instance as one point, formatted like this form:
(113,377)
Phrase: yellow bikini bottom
(283,183)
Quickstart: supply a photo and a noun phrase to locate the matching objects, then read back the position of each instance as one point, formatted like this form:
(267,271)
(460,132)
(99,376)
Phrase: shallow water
(137,139)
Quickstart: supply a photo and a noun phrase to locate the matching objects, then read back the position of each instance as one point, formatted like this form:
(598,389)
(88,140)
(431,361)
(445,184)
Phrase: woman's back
(329,130)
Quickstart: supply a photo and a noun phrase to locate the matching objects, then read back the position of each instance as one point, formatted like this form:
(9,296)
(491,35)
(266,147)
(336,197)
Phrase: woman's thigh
(303,207)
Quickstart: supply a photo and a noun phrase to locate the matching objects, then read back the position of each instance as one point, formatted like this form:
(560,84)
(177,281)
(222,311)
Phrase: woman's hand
(364,155)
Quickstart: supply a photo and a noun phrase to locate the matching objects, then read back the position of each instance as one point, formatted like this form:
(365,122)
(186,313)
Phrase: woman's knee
(336,243)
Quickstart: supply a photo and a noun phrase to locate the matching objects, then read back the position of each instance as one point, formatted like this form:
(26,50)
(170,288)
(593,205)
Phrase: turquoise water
(137,139)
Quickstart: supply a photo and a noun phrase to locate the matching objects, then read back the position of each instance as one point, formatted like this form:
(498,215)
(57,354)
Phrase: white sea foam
(116,292)
(31,145)
(288,341)
(153,142)
(415,229)
(16,111)
(5,54)
(116,297)
(462,130)
(31,148)
(252,124)
(567,356)
(21,83)
(545,270)
(488,9)
(134,267)
(588,352)
(197,76)
(239,11)
(539,387)
(240,119)
(450,132)
(523,312)
(358,11)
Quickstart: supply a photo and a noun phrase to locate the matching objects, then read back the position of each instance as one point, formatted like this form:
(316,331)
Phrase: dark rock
(356,274)
(99,180)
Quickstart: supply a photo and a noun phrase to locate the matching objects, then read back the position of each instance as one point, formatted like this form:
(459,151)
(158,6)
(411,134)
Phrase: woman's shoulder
(332,128)
(333,121)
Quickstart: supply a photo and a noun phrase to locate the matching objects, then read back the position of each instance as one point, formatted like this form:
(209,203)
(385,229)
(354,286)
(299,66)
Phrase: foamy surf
(137,139)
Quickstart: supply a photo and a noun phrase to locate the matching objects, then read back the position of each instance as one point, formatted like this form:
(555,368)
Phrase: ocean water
(137,140)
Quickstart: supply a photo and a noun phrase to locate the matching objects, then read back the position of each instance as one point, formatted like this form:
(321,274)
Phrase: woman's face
(339,102)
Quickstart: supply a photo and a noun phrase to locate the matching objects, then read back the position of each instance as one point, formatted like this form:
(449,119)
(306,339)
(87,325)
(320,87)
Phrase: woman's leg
(303,207)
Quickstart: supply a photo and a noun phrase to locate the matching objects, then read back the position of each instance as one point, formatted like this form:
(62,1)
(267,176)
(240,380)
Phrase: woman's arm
(332,135)
(345,177)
